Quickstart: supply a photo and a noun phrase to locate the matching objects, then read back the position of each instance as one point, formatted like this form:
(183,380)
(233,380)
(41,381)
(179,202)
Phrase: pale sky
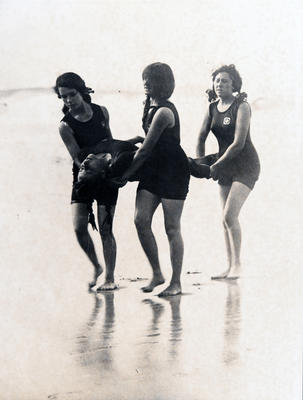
(110,42)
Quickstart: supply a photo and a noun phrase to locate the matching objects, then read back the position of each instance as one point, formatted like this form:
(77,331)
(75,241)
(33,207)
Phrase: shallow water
(219,340)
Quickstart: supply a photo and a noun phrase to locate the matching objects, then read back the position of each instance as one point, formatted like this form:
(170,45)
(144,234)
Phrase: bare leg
(224,191)
(172,215)
(105,222)
(146,205)
(235,200)
(80,223)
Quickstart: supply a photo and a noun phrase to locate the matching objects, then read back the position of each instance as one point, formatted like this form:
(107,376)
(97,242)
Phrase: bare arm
(69,140)
(163,118)
(106,115)
(204,131)
(135,140)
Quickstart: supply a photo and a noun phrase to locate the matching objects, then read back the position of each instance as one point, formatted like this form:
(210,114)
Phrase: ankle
(157,274)
(110,279)
(175,282)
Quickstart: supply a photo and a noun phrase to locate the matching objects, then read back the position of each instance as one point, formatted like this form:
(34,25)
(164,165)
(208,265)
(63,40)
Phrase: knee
(80,230)
(229,220)
(172,230)
(106,231)
(142,223)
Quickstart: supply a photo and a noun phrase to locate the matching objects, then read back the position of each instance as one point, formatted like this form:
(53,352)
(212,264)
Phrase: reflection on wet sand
(96,344)
(232,323)
(154,330)
(175,324)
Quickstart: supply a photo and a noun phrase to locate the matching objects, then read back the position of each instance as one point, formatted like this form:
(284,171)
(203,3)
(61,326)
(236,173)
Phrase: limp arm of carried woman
(162,119)
(241,130)
(204,131)
(69,140)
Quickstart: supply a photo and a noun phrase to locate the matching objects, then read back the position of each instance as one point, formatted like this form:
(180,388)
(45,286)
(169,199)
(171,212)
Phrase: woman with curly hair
(236,167)
(164,174)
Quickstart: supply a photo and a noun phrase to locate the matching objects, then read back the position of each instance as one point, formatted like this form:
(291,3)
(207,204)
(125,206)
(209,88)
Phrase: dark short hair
(162,79)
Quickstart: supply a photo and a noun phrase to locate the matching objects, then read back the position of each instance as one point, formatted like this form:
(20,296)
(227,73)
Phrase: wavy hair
(236,83)
(72,81)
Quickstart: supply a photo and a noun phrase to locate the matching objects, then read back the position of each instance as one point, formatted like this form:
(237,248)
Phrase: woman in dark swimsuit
(164,174)
(84,125)
(237,166)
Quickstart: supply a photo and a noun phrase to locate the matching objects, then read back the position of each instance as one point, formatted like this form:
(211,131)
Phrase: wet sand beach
(218,340)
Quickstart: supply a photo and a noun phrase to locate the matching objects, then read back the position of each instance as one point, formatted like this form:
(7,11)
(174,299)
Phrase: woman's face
(149,87)
(94,166)
(71,97)
(223,85)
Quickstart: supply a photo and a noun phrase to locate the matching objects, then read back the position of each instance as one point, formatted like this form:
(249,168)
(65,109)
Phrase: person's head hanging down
(95,166)
(107,160)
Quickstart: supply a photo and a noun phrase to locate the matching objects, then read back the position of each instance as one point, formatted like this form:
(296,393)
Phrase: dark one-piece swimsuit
(166,171)
(245,166)
(88,134)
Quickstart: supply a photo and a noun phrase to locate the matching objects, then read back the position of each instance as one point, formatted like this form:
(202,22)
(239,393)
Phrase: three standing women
(163,167)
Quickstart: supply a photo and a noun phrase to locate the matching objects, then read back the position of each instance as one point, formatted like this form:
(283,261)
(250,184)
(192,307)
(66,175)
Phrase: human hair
(236,82)
(73,81)
(162,80)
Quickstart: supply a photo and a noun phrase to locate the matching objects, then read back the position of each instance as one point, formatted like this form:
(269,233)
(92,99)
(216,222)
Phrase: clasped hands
(214,171)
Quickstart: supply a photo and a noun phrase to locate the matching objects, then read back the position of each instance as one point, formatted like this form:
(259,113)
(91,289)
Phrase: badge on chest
(226,121)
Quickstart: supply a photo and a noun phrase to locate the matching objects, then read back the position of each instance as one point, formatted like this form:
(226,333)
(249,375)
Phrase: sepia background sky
(110,42)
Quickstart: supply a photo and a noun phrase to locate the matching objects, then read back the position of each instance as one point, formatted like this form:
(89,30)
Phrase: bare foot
(172,290)
(234,272)
(107,286)
(98,272)
(156,281)
(221,276)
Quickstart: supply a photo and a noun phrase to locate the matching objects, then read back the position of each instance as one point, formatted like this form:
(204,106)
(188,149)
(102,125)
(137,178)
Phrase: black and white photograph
(151,209)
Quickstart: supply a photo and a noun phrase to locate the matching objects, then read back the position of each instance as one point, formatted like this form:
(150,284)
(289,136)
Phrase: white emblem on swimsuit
(226,121)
